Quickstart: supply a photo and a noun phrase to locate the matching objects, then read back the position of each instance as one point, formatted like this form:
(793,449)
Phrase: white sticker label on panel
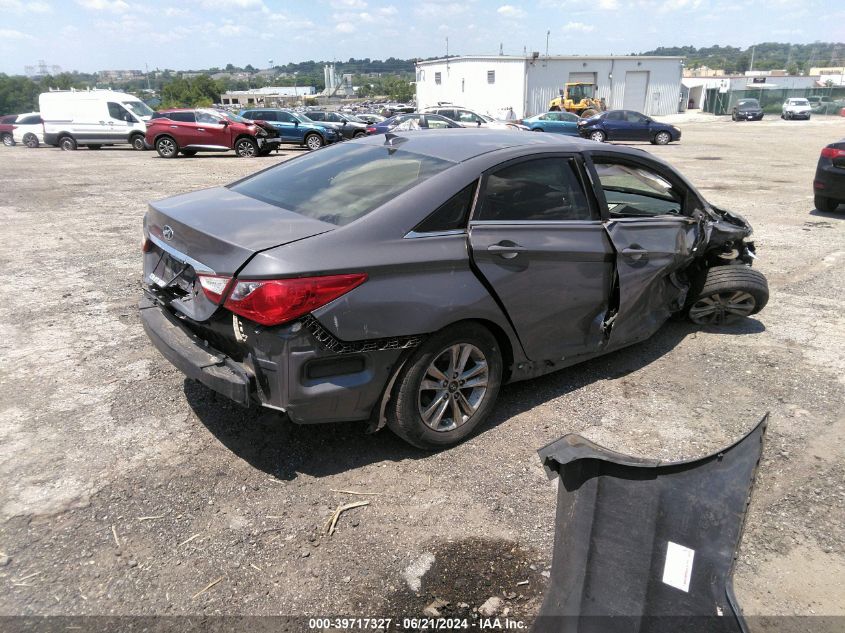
(678,568)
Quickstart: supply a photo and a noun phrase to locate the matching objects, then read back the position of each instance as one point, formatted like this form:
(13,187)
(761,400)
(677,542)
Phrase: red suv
(206,130)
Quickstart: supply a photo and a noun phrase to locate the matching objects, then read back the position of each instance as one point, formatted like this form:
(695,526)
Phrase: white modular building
(525,84)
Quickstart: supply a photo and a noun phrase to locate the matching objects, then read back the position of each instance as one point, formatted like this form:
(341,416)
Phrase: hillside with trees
(795,58)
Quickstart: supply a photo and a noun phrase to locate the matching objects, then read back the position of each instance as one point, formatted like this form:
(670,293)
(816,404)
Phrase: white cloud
(387,11)
(230,29)
(345,27)
(11,34)
(608,5)
(112,6)
(17,6)
(510,11)
(579,27)
(349,4)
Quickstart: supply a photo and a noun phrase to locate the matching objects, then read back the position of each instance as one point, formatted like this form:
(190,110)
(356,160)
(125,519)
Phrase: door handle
(102,122)
(200,129)
(634,253)
(506,250)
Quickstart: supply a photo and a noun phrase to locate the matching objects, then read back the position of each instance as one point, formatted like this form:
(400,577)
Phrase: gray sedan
(400,280)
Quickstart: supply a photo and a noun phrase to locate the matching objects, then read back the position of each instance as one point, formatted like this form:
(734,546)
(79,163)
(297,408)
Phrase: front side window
(545,189)
(465,116)
(343,183)
(636,191)
(119,113)
(615,116)
(207,118)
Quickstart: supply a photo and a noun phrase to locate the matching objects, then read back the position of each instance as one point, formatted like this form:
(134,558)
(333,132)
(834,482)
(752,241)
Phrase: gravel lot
(125,489)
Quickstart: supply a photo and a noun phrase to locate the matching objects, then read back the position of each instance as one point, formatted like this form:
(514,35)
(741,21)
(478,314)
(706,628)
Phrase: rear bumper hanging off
(644,546)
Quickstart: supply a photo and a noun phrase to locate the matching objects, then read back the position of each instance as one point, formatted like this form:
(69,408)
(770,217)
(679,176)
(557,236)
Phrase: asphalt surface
(125,489)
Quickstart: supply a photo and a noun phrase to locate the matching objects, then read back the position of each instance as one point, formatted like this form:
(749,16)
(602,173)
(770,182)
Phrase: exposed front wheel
(8,140)
(67,143)
(246,148)
(828,205)
(447,387)
(598,136)
(313,141)
(729,293)
(662,138)
(30,140)
(167,147)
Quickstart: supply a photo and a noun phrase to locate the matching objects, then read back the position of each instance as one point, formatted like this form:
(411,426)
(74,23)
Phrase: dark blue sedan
(560,122)
(294,128)
(627,125)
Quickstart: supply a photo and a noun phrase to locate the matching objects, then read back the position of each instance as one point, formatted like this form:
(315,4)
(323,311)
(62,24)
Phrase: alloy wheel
(245,149)
(453,388)
(722,308)
(166,147)
(314,142)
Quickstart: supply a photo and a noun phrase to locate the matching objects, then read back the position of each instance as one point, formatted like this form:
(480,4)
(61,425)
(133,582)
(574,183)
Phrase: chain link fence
(824,101)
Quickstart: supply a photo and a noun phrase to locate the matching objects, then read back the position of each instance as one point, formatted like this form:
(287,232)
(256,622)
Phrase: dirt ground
(126,490)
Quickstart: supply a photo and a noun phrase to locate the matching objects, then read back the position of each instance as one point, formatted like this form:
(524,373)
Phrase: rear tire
(30,140)
(246,148)
(431,382)
(729,293)
(359,135)
(67,143)
(828,205)
(137,142)
(167,147)
(537,129)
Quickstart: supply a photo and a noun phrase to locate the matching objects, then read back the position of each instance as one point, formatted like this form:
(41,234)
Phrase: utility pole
(752,58)
(547,42)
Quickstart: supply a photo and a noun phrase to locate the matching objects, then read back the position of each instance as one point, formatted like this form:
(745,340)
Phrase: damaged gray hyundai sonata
(402,279)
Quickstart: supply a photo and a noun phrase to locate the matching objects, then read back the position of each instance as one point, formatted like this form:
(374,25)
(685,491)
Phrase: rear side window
(30,120)
(316,116)
(249,115)
(343,183)
(182,117)
(452,215)
(545,189)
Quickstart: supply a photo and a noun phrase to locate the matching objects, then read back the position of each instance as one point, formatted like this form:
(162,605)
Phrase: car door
(288,127)
(120,123)
(538,242)
(614,124)
(638,126)
(649,220)
(212,130)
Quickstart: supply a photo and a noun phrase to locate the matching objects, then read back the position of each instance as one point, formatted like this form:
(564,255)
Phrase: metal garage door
(636,86)
(582,78)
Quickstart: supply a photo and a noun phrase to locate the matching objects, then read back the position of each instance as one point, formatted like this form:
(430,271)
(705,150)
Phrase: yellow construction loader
(578,98)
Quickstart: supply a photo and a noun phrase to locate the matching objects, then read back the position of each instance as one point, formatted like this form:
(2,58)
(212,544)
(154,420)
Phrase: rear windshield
(343,183)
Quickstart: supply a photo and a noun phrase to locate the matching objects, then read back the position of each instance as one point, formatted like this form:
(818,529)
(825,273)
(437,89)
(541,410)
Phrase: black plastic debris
(644,546)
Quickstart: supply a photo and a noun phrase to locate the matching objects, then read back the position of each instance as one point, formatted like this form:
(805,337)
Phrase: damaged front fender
(643,545)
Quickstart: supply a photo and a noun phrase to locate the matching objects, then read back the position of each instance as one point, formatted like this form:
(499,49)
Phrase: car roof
(461,144)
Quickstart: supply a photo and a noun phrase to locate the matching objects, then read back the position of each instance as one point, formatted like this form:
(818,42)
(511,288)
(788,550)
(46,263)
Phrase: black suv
(829,183)
(348,126)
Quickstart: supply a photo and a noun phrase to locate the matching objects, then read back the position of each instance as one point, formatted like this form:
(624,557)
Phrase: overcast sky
(90,35)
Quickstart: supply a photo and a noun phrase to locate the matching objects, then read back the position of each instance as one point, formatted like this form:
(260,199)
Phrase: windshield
(799,102)
(343,183)
(138,108)
(581,91)
(749,103)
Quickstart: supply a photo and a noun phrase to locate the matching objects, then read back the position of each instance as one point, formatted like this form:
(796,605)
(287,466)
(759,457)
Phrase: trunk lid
(213,232)
(222,229)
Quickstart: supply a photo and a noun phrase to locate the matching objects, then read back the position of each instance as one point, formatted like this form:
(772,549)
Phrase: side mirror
(296,123)
(225,122)
(478,123)
(344,123)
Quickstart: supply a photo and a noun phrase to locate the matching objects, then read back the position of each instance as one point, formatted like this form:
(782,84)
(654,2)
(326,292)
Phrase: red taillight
(214,287)
(275,301)
(371,129)
(832,152)
(146,245)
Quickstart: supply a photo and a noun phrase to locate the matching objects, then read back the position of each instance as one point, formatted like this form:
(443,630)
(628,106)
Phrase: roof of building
(568,58)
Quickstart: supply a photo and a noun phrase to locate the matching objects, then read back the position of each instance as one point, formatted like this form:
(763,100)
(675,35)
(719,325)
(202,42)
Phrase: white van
(93,118)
